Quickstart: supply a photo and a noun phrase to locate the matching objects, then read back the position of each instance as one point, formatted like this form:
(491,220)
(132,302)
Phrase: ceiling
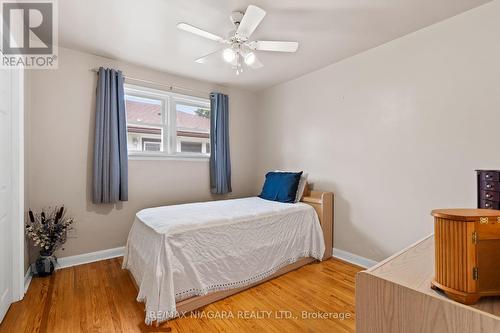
(145,33)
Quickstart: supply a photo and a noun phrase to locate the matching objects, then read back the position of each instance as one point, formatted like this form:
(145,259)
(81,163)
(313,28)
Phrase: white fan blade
(211,57)
(199,32)
(264,45)
(252,18)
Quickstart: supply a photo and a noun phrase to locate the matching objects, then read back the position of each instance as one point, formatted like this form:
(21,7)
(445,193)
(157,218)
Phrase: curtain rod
(170,87)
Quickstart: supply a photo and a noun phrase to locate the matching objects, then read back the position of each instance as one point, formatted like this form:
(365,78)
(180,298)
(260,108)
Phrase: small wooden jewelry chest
(488,189)
(467,253)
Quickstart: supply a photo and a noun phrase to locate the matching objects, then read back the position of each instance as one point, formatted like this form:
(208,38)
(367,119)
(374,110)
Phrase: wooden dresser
(396,296)
(488,189)
(467,243)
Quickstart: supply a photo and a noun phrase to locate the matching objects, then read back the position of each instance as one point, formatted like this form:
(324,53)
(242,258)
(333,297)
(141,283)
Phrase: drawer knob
(488,195)
(488,186)
(483,220)
(487,205)
(487,175)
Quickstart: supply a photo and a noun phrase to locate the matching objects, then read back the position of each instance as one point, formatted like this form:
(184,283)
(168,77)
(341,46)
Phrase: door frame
(15,209)
(17,167)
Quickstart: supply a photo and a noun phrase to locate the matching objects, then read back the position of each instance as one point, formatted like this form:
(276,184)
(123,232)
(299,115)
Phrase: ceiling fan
(238,48)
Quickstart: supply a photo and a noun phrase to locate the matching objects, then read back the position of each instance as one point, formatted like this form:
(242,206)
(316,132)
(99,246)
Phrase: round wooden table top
(464,214)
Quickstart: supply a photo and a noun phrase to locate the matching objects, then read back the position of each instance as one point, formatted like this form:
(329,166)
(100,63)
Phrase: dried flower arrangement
(48,231)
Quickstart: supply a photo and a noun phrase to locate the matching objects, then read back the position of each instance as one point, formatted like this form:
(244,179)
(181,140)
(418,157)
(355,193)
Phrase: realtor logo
(29,34)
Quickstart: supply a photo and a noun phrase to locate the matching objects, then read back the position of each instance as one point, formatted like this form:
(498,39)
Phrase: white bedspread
(176,252)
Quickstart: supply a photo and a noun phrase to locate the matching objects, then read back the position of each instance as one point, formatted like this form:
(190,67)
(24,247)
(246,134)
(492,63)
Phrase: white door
(6,192)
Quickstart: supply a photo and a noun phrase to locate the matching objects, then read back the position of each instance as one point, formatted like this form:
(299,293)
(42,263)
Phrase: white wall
(60,139)
(395,131)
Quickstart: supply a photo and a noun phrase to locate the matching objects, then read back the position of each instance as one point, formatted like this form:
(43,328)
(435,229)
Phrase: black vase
(44,265)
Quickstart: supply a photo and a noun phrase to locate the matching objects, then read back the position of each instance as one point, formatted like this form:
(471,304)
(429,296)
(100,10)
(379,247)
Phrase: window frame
(168,123)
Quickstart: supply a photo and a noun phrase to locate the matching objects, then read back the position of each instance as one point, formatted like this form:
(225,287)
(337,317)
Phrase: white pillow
(302,185)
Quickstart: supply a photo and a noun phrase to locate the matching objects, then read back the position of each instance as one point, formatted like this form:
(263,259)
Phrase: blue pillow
(281,186)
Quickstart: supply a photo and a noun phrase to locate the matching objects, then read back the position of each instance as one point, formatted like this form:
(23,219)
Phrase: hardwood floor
(100,297)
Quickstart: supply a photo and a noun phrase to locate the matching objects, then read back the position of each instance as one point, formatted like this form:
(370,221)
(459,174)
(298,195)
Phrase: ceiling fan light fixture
(228,54)
(239,49)
(250,58)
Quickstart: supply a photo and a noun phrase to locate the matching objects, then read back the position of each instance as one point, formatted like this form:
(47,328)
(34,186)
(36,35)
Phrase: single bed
(183,257)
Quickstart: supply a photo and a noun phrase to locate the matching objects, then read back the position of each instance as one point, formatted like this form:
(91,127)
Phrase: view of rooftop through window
(143,110)
(144,123)
(193,128)
(148,130)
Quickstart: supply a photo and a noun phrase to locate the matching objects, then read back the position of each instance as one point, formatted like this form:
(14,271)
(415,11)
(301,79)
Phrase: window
(191,147)
(161,123)
(149,144)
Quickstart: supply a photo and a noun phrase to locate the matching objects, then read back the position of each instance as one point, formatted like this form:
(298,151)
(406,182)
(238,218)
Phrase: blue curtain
(220,160)
(110,177)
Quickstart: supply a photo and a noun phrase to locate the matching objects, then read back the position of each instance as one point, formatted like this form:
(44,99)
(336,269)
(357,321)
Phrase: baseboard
(27,279)
(89,257)
(118,252)
(353,258)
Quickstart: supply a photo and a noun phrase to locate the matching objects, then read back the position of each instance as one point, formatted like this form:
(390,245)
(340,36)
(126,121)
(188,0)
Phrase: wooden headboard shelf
(322,202)
(312,200)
